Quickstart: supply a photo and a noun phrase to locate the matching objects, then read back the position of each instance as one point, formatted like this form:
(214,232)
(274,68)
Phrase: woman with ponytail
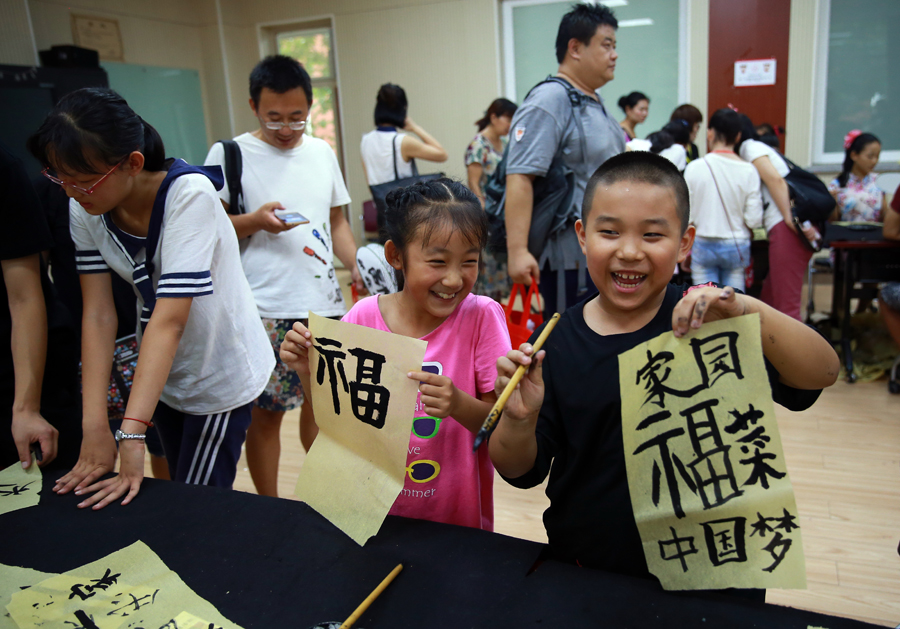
(486,149)
(204,356)
(483,154)
(859,199)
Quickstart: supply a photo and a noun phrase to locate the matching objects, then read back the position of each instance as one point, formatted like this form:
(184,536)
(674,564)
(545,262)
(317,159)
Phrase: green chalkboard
(170,100)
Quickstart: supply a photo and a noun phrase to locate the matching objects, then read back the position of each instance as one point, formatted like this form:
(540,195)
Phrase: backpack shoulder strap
(233,169)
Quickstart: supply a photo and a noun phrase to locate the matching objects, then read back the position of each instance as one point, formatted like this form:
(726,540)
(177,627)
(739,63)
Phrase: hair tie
(850,137)
(733,108)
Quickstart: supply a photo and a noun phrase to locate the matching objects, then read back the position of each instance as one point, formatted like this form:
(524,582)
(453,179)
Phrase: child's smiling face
(633,239)
(439,274)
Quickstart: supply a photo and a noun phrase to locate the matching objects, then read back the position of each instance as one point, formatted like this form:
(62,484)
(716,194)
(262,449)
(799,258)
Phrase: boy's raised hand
(525,402)
(706,303)
(295,348)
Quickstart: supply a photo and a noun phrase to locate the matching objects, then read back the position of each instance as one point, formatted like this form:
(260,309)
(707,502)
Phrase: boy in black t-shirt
(567,410)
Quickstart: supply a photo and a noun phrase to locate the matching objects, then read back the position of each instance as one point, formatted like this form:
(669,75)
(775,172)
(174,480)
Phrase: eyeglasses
(426,427)
(63,184)
(278,126)
(423,470)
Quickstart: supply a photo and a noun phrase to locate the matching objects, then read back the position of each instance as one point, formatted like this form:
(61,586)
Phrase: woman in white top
(386,153)
(725,205)
(788,254)
(378,146)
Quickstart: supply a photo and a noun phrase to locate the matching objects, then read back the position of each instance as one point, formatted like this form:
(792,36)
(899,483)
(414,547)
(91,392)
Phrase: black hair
(726,123)
(857,146)
(391,106)
(679,129)
(687,112)
(429,206)
(280,74)
(627,102)
(643,167)
(748,132)
(500,107)
(581,23)
(93,128)
(660,141)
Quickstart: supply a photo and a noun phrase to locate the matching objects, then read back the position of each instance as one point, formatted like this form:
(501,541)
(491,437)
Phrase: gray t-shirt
(540,125)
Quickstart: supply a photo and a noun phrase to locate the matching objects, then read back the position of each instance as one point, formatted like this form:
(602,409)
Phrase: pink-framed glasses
(88,191)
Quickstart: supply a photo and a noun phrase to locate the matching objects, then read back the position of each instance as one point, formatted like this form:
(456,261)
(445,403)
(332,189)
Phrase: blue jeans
(717,260)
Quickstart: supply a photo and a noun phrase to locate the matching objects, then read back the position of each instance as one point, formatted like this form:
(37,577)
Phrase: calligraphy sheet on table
(13,579)
(706,471)
(128,589)
(364,406)
(20,488)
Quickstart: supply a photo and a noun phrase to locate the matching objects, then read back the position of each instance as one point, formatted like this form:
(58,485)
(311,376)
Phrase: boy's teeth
(626,276)
(445,295)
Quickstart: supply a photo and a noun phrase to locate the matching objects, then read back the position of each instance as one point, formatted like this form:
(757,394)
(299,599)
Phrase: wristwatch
(128,435)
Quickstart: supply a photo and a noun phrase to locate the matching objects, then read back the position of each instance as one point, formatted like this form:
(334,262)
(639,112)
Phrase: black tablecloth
(265,562)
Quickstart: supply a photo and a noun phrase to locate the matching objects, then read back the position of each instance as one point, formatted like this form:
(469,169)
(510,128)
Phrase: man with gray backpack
(559,136)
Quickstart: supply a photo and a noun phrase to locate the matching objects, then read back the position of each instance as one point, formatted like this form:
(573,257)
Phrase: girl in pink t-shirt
(435,235)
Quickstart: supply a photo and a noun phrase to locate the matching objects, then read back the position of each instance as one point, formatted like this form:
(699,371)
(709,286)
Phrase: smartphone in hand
(291,217)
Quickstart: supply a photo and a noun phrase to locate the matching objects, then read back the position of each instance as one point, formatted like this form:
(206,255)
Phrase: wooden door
(744,30)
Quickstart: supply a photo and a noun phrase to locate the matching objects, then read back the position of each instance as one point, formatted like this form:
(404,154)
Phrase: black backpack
(234,165)
(553,193)
(810,199)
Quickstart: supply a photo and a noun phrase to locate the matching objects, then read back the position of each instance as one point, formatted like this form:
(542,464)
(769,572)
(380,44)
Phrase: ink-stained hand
(525,402)
(707,303)
(439,395)
(267,221)
(126,483)
(30,427)
(97,457)
(295,348)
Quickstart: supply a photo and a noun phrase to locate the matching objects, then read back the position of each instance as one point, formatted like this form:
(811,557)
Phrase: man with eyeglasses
(288,264)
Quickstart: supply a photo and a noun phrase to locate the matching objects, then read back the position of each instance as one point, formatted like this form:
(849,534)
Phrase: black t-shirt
(24,232)
(579,431)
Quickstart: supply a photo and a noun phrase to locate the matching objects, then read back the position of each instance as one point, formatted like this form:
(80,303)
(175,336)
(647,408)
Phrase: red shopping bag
(522,323)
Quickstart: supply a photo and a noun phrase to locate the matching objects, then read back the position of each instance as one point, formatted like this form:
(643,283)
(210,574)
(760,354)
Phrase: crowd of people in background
(224,293)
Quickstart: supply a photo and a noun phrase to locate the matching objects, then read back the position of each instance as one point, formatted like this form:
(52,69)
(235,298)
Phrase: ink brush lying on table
(494,415)
(362,606)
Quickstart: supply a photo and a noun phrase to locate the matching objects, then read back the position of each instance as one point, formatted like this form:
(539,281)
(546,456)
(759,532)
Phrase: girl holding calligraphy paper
(435,235)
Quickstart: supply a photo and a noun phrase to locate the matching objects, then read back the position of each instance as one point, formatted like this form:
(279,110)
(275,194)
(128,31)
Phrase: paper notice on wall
(706,470)
(364,405)
(754,72)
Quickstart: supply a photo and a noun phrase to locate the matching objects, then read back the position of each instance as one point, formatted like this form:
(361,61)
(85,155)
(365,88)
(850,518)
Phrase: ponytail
(500,107)
(154,151)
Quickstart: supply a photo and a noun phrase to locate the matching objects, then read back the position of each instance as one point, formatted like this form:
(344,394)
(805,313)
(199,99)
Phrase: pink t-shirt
(445,480)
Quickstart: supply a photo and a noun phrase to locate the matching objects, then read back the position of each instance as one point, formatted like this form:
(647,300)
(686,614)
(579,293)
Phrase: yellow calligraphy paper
(364,405)
(129,588)
(706,472)
(20,488)
(14,579)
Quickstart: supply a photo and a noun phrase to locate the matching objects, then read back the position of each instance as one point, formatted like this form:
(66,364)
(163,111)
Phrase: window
(858,79)
(649,41)
(312,44)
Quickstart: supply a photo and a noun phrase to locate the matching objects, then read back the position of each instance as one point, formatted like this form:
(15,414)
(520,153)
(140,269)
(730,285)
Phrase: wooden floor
(844,460)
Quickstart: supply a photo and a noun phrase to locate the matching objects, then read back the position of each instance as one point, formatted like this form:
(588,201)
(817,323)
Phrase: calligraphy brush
(359,611)
(494,415)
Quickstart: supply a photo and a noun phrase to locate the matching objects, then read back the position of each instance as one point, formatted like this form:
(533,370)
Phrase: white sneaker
(377,274)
